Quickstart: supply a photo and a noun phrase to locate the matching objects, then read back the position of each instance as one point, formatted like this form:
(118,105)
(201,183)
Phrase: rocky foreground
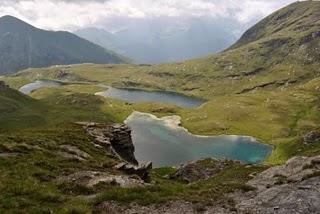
(290,188)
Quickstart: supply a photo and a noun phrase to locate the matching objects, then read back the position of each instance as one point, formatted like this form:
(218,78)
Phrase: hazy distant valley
(160,41)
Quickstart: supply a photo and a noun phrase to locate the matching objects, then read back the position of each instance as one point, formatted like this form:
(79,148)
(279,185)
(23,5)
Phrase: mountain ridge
(23,46)
(296,13)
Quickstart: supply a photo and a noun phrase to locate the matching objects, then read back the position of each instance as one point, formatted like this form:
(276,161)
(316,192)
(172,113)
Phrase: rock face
(312,137)
(201,170)
(115,138)
(291,188)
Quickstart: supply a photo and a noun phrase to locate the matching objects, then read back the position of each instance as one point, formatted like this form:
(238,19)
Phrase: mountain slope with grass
(19,110)
(23,46)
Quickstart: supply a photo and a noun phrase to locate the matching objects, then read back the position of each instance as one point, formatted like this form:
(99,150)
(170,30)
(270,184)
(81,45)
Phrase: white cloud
(67,15)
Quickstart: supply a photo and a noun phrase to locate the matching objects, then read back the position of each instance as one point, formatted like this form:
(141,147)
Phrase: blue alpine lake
(165,143)
(137,95)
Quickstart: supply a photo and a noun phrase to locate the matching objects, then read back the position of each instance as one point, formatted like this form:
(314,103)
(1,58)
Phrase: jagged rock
(312,137)
(115,138)
(142,170)
(92,178)
(200,170)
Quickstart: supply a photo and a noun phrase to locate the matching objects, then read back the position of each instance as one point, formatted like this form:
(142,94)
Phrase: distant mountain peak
(12,23)
(23,46)
(11,20)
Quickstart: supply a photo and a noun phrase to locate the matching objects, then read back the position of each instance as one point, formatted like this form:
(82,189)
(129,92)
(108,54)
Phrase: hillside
(18,110)
(23,46)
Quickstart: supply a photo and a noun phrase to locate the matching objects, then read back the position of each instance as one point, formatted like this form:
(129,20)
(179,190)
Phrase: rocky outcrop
(93,178)
(73,153)
(142,170)
(312,137)
(2,84)
(291,188)
(201,170)
(115,138)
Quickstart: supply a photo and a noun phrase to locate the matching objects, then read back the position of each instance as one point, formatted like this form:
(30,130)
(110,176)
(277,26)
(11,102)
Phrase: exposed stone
(142,170)
(62,74)
(312,137)
(74,151)
(3,84)
(290,188)
(175,207)
(69,156)
(311,37)
(295,170)
(115,138)
(92,178)
(200,170)
(287,198)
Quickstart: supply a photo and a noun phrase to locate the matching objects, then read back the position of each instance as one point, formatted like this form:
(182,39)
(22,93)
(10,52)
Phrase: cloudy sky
(75,14)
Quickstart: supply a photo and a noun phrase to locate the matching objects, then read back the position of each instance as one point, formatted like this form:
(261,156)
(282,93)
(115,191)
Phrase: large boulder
(142,170)
(201,170)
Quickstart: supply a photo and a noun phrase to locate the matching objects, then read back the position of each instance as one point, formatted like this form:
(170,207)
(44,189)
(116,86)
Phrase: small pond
(28,88)
(137,95)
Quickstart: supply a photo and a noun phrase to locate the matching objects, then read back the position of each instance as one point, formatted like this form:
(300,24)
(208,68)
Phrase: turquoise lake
(164,145)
